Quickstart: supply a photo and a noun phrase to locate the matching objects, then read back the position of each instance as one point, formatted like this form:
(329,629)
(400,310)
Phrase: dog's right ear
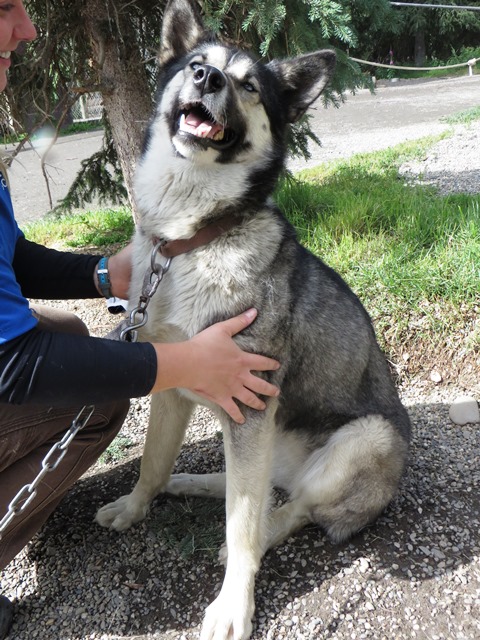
(182,30)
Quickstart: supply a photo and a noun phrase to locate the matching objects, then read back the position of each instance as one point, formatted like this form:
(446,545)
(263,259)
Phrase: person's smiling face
(15,27)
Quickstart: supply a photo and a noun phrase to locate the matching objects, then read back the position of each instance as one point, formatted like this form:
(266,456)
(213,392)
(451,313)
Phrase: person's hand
(212,365)
(120,272)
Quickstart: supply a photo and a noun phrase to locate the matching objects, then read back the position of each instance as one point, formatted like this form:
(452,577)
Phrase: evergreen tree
(109,46)
(414,34)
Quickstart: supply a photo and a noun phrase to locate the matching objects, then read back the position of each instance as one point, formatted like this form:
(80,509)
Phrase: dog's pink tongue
(201,128)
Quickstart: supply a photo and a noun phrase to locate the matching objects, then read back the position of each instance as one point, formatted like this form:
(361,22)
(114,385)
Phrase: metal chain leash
(51,461)
(138,317)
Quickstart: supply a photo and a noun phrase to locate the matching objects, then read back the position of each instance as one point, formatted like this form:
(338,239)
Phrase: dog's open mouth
(197,121)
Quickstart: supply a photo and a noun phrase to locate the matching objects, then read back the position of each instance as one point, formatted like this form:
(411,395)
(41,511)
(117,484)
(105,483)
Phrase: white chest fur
(214,281)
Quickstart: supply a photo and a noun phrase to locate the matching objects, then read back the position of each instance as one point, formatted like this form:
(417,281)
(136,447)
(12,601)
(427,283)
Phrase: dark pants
(26,435)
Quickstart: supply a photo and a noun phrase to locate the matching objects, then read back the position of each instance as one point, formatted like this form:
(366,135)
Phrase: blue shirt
(15,315)
(57,368)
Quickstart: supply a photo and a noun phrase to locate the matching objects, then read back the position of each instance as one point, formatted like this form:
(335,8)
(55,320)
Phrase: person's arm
(62,370)
(54,275)
(60,275)
(119,272)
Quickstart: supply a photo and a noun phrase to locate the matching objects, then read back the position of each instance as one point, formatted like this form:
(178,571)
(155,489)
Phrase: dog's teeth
(219,135)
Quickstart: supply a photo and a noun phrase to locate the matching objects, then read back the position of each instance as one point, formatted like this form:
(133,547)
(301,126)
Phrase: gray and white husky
(336,440)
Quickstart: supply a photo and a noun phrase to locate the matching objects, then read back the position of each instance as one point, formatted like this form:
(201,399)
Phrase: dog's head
(222,105)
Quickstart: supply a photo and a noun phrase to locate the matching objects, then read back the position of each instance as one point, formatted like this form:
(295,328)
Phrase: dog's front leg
(248,451)
(169,415)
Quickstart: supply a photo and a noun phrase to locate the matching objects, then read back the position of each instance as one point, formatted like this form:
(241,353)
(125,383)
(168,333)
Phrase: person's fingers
(250,399)
(261,363)
(233,411)
(264,388)
(237,323)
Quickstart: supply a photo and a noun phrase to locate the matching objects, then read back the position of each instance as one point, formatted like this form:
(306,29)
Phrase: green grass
(116,451)
(383,234)
(190,525)
(463,55)
(75,127)
(464,117)
(82,127)
(411,255)
(90,229)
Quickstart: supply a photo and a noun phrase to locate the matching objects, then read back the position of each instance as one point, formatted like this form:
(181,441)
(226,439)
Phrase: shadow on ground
(414,573)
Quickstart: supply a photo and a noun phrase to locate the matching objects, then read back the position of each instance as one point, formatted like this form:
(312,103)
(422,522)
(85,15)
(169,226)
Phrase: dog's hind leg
(248,452)
(202,485)
(345,484)
(169,415)
(364,462)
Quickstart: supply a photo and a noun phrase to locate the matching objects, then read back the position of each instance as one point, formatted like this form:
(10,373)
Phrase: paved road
(28,185)
(396,112)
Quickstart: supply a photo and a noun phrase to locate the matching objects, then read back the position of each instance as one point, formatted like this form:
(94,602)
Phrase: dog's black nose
(209,79)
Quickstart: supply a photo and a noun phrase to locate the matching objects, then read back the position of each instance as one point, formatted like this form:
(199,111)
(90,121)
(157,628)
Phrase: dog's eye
(248,86)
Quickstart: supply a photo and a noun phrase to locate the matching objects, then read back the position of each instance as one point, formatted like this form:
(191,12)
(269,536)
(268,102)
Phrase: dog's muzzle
(200,120)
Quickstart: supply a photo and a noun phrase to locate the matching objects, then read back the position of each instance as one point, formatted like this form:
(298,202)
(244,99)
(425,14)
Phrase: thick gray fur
(337,438)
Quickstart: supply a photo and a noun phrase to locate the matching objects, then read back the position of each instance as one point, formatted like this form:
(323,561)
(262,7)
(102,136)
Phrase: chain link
(138,317)
(51,461)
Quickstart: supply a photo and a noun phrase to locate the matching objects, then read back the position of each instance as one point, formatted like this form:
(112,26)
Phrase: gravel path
(414,574)
(453,165)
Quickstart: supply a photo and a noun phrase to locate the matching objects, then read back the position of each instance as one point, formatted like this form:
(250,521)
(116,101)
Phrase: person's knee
(107,420)
(59,320)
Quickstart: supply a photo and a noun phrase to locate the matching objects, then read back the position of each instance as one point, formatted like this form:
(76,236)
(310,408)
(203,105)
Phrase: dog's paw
(179,484)
(121,514)
(226,619)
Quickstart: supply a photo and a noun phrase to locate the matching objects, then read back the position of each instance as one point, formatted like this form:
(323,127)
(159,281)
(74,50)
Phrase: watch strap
(103,278)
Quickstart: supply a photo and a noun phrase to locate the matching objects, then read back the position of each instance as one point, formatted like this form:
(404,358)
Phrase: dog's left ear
(182,30)
(303,79)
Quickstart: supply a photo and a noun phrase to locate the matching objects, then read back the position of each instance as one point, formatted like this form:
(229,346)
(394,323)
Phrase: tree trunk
(123,81)
(419,48)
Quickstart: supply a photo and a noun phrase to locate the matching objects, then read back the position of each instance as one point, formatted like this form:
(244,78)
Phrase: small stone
(464,410)
(364,565)
(436,376)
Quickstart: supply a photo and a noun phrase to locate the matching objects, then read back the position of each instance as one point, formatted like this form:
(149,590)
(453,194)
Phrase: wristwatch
(103,278)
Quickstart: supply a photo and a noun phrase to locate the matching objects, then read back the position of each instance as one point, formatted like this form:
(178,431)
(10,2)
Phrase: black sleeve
(53,275)
(60,369)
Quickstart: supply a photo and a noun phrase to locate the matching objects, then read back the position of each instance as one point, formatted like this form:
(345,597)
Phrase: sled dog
(336,439)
